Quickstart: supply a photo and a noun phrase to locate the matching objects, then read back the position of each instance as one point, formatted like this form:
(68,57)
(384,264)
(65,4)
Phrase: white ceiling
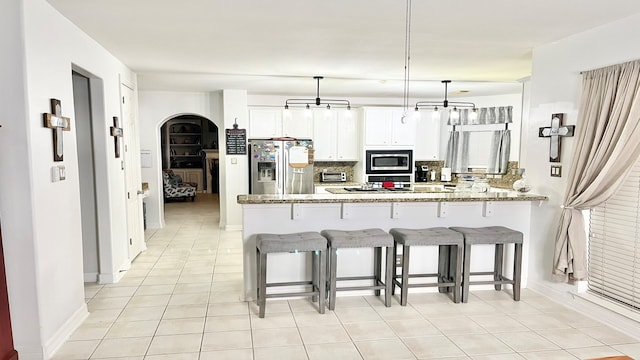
(276,46)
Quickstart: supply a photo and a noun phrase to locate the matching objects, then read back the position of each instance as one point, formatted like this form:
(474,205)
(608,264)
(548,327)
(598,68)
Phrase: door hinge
(130,241)
(128,195)
(123,99)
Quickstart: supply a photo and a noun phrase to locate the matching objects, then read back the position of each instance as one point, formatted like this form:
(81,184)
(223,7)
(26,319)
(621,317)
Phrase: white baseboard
(64,332)
(232,227)
(111,278)
(91,277)
(29,353)
(591,306)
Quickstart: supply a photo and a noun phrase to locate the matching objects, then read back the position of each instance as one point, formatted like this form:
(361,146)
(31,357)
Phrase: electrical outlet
(398,260)
(556,170)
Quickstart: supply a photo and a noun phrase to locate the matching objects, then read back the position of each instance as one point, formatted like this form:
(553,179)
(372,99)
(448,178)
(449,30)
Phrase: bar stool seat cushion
(303,241)
(427,237)
(490,235)
(358,238)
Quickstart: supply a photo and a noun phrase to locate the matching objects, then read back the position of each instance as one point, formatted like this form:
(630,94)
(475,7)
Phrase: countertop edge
(370,198)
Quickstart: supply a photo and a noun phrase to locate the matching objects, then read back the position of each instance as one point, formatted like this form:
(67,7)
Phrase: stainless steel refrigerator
(280,166)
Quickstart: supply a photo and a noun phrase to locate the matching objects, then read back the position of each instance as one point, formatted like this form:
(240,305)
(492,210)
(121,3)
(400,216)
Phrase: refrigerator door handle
(281,169)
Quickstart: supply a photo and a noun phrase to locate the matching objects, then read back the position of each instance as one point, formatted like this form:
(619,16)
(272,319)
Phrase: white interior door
(130,151)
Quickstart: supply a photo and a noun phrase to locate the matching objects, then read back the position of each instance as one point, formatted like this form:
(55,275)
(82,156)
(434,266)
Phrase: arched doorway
(189,149)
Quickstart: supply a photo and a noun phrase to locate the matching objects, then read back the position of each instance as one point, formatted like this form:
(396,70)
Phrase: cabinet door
(377,128)
(427,138)
(403,131)
(347,137)
(298,124)
(324,136)
(265,123)
(194,176)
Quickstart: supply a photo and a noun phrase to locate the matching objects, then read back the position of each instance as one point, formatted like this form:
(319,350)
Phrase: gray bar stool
(292,243)
(449,273)
(498,236)
(369,238)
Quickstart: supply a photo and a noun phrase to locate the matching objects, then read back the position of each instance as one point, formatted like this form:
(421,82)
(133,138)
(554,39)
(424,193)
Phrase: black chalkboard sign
(236,141)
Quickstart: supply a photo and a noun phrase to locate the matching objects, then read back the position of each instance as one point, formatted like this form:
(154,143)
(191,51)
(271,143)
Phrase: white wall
(234,169)
(42,218)
(555,88)
(155,108)
(16,199)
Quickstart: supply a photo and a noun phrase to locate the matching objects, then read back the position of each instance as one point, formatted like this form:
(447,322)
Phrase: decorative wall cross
(58,123)
(554,133)
(116,132)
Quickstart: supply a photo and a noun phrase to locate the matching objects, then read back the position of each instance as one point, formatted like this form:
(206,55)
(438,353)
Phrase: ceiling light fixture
(327,103)
(407,59)
(454,113)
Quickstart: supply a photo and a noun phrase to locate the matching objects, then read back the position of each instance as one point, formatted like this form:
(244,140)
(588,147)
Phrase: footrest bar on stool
(301,294)
(293,283)
(375,287)
(491,282)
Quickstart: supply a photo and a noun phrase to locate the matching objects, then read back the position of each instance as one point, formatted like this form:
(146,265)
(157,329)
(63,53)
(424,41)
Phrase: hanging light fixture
(454,113)
(306,103)
(407,59)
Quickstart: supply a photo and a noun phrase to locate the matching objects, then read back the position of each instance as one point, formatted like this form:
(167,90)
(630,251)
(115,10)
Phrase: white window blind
(614,244)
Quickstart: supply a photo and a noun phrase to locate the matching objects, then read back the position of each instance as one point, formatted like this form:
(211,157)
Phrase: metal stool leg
(377,267)
(497,268)
(517,271)
(443,267)
(262,281)
(465,273)
(315,273)
(332,277)
(395,268)
(457,273)
(322,281)
(388,279)
(404,289)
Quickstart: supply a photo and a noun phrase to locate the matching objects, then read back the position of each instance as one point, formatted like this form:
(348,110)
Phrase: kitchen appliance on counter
(422,173)
(389,181)
(389,161)
(445,174)
(333,177)
(280,166)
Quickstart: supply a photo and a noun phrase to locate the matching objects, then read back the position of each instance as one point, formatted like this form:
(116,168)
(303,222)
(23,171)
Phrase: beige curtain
(607,145)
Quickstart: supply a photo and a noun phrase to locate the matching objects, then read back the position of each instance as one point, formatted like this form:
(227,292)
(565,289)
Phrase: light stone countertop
(383,197)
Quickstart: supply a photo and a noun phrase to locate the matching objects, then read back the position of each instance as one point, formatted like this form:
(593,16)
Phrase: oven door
(389,161)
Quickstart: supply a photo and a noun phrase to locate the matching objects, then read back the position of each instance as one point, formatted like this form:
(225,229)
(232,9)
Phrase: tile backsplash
(333,166)
(501,181)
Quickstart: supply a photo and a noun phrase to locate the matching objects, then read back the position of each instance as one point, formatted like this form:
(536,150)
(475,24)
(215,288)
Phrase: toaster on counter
(338,176)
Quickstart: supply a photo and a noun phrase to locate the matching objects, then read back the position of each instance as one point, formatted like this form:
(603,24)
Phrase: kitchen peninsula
(351,211)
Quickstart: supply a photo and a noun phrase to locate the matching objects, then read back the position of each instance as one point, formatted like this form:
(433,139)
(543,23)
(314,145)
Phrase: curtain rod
(604,67)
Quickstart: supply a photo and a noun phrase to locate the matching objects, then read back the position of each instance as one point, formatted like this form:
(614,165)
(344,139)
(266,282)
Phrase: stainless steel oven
(389,161)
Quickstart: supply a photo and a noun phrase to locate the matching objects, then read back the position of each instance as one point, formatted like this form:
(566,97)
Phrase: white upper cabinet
(265,123)
(298,125)
(427,138)
(386,127)
(270,122)
(335,135)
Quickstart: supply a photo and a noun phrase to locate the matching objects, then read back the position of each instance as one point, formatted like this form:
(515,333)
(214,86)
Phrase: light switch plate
(556,170)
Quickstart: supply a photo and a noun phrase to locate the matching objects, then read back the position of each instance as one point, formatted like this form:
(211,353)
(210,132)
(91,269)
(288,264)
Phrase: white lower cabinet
(191,175)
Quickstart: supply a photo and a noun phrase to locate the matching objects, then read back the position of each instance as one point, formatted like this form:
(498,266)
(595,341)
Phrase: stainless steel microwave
(389,161)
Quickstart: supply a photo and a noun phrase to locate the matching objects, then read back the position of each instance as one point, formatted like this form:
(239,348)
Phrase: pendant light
(407,60)
(307,103)
(454,113)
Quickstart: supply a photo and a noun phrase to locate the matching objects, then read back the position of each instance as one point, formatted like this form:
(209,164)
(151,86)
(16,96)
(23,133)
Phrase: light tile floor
(181,301)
